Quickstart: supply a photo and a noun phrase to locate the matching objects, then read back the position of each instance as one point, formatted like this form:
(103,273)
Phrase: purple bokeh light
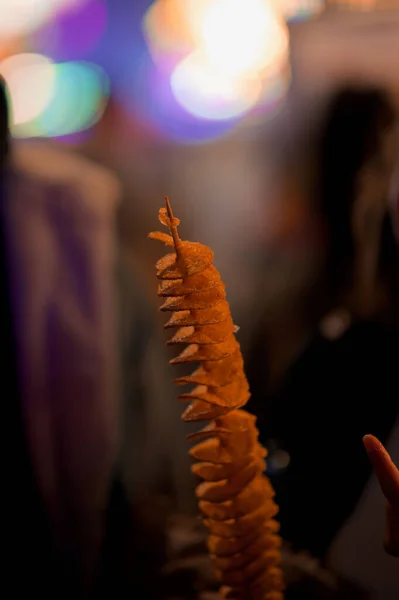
(75,33)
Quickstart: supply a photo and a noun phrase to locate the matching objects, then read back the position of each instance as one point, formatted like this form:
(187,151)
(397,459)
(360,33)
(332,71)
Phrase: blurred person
(338,373)
(388,477)
(59,358)
(87,413)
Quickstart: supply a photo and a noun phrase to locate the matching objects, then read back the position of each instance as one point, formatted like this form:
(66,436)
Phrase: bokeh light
(30,79)
(20,17)
(75,33)
(219,53)
(299,10)
(243,38)
(169,31)
(209,93)
(53,100)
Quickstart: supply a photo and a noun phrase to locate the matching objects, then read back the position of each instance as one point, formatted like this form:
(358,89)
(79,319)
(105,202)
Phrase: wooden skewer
(173,228)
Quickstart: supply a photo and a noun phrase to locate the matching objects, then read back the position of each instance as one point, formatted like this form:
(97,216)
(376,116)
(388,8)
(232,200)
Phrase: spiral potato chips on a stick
(235,498)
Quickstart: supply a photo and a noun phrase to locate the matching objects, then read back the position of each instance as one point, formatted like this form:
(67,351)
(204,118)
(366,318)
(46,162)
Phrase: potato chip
(237,392)
(195,301)
(210,450)
(215,373)
(202,411)
(242,559)
(240,526)
(247,574)
(221,546)
(191,258)
(160,236)
(197,353)
(165,220)
(210,430)
(166,287)
(208,334)
(212,472)
(200,282)
(209,316)
(221,491)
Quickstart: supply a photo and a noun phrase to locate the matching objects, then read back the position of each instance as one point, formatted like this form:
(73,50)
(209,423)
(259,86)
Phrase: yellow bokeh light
(30,80)
(222,52)
(243,38)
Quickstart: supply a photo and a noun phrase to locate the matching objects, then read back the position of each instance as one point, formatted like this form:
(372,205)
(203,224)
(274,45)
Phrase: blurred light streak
(52,100)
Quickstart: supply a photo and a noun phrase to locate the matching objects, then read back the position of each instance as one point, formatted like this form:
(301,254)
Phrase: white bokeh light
(243,38)
(30,80)
(208,93)
(21,17)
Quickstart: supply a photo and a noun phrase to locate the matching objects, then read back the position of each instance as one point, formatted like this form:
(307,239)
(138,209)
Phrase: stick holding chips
(235,498)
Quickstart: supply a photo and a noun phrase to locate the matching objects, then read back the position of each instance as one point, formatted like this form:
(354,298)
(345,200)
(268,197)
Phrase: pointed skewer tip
(173,228)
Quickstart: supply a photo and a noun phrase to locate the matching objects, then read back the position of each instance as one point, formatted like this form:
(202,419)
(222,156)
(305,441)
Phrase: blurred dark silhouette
(91,424)
(25,529)
(339,377)
(56,488)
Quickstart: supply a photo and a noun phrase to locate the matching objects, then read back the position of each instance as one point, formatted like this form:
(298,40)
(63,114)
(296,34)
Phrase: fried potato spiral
(235,498)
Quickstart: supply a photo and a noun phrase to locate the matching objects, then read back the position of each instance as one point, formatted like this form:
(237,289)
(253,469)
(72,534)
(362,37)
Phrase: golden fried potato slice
(242,559)
(221,491)
(202,411)
(229,546)
(207,316)
(215,373)
(167,267)
(248,500)
(164,219)
(160,236)
(252,571)
(210,451)
(211,472)
(238,396)
(210,430)
(203,334)
(200,282)
(182,336)
(238,420)
(259,491)
(167,286)
(195,301)
(192,258)
(197,353)
(240,526)
(241,444)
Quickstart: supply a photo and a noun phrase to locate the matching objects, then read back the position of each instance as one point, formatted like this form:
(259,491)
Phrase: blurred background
(219,105)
